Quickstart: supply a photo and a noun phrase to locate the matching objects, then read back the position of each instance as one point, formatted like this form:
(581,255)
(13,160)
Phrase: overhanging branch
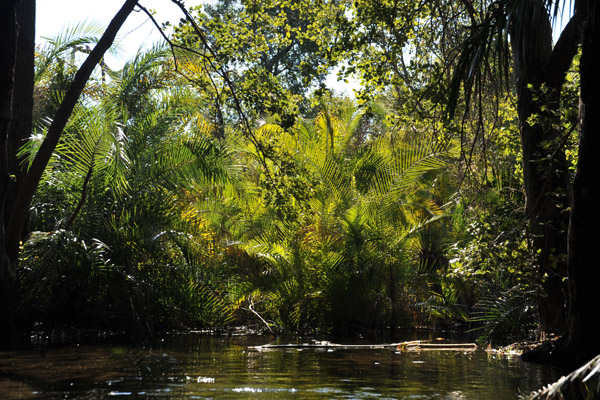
(31,181)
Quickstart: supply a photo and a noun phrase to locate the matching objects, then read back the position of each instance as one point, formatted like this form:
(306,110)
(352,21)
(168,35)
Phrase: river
(214,367)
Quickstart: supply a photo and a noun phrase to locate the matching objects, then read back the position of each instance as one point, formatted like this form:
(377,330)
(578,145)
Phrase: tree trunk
(29,186)
(541,70)
(21,125)
(8,45)
(584,228)
(15,124)
(547,200)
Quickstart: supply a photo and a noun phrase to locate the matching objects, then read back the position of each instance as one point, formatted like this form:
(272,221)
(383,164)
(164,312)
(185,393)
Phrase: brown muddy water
(211,367)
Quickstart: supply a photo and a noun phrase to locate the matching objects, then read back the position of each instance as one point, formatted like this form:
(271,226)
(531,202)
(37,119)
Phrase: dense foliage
(216,181)
(151,218)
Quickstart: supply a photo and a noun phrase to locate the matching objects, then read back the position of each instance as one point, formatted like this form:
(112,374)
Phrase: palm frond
(507,315)
(80,34)
(94,144)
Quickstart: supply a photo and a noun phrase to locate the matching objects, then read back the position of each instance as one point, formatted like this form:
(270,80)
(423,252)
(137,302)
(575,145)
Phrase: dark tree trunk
(15,125)
(547,199)
(29,185)
(584,228)
(21,125)
(545,166)
(8,45)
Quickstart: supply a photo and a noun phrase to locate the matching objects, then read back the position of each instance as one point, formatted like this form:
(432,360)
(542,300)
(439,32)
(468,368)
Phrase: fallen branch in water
(414,345)
(438,346)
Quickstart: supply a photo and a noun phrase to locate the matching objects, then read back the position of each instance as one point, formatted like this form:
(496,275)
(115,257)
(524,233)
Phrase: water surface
(209,367)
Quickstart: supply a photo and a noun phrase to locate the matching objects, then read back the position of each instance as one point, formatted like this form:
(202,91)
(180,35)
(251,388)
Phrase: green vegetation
(217,182)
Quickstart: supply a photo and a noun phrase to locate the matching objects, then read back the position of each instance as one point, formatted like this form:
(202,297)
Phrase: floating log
(326,346)
(439,346)
(415,345)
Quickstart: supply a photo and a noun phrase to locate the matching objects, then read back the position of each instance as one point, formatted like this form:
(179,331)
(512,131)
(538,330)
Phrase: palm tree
(132,163)
(540,70)
(337,251)
(540,66)
(15,211)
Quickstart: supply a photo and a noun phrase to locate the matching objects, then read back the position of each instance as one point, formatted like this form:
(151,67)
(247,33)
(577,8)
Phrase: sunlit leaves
(60,50)
(271,52)
(95,144)
(344,205)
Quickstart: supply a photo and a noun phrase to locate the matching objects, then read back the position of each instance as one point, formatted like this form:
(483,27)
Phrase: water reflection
(194,366)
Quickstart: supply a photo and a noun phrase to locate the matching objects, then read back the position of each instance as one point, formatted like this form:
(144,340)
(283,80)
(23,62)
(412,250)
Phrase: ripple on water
(209,367)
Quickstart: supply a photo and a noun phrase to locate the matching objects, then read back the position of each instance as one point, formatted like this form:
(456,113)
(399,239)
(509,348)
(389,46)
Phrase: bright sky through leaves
(55,15)
(138,32)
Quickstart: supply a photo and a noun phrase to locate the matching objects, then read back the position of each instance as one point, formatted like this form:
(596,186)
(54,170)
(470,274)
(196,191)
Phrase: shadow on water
(200,366)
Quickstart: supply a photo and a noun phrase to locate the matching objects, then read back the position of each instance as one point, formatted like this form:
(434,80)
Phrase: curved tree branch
(30,183)
(563,52)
